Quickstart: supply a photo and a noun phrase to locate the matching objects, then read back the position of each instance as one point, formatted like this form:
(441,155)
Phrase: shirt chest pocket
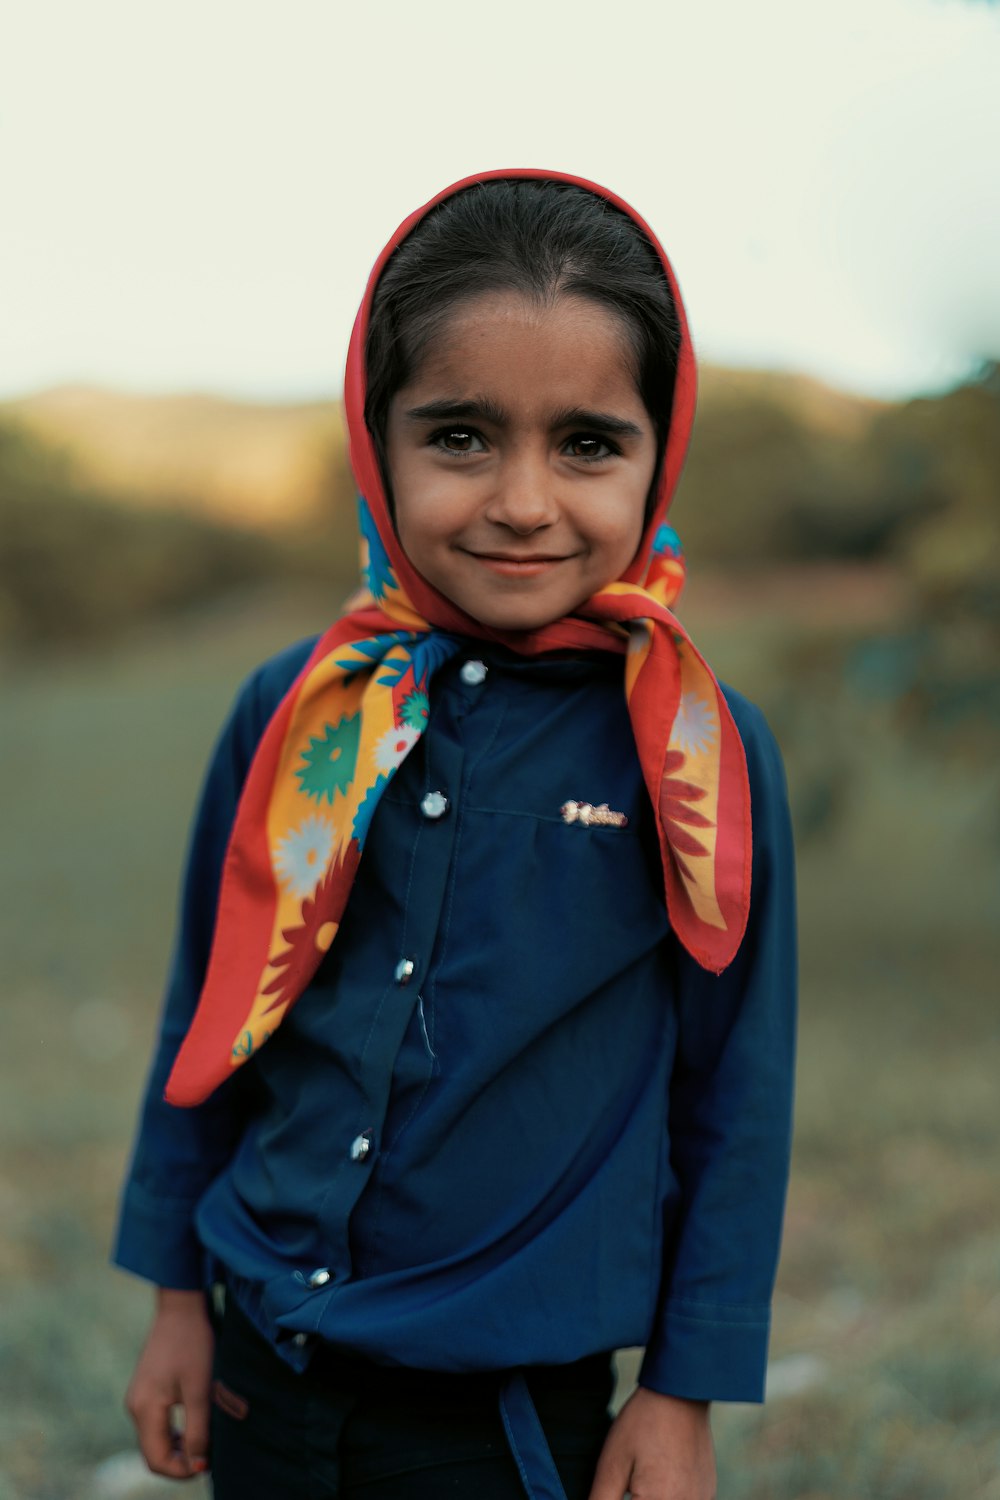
(543,906)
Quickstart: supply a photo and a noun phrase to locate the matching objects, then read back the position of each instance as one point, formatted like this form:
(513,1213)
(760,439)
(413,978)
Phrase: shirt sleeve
(177,1152)
(731,1123)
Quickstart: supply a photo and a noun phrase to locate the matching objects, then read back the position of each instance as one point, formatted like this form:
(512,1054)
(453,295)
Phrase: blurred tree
(768,482)
(953,555)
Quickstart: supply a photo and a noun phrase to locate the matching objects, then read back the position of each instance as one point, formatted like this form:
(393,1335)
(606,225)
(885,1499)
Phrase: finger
(157,1438)
(612,1477)
(196,1418)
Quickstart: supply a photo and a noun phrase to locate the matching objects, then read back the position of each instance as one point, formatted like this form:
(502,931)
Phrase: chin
(523,620)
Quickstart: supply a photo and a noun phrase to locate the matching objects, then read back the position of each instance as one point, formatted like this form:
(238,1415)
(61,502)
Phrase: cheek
(629,543)
(431,502)
(424,518)
(411,534)
(621,520)
(407,495)
(621,543)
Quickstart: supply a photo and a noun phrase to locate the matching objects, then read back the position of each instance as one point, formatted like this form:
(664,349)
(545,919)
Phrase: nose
(523,497)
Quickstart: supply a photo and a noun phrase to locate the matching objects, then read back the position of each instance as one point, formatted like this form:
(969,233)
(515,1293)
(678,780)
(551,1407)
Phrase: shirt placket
(433,784)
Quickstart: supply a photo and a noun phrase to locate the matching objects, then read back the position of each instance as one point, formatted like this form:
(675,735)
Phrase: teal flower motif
(415,710)
(430,652)
(391,673)
(427,653)
(378,574)
(368,653)
(330,760)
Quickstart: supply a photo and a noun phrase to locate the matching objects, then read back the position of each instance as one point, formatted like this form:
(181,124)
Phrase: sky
(192,192)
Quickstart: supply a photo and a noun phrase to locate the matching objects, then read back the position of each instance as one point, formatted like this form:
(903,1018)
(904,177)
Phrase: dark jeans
(357,1431)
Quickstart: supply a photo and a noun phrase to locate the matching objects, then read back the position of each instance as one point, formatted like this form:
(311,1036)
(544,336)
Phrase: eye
(590,447)
(457,440)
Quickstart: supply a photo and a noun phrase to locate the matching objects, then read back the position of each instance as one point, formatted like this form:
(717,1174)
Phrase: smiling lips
(513,566)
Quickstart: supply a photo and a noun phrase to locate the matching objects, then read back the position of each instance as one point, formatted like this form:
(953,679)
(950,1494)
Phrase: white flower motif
(394,746)
(301,857)
(695,727)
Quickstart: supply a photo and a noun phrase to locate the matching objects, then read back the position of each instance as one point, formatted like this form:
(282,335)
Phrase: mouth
(518,564)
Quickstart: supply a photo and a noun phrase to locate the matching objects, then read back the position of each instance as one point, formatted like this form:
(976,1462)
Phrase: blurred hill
(243,463)
(117,507)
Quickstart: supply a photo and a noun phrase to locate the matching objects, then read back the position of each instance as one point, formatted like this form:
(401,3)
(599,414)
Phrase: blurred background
(192,197)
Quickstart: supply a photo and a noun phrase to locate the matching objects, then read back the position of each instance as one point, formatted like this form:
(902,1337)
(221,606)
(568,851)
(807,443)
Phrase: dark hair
(536,237)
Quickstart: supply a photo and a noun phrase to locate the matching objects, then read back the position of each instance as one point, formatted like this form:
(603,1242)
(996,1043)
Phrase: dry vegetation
(874,651)
(246,464)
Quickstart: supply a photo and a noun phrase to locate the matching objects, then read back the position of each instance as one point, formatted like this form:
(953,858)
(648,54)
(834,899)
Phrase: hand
(659,1448)
(174,1369)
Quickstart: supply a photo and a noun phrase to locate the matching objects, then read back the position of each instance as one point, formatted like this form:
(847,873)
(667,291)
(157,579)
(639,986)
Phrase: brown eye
(584,445)
(457,440)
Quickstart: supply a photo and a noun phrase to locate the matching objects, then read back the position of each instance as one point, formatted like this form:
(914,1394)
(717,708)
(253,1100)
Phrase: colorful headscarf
(361,703)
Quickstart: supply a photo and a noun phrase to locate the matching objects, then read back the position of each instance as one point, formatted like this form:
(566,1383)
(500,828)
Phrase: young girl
(454,1120)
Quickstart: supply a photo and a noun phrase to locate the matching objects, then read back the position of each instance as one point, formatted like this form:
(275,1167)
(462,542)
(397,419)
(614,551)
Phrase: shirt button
(403,972)
(300,1340)
(473,673)
(361,1146)
(434,805)
(319,1278)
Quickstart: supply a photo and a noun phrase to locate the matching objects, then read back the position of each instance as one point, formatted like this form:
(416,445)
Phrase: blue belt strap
(528,1444)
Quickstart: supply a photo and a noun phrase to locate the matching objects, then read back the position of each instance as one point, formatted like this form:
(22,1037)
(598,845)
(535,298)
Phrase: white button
(473,673)
(404,971)
(319,1278)
(434,805)
(361,1146)
(300,1340)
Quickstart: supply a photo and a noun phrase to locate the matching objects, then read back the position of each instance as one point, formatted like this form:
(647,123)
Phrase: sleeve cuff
(156,1240)
(704,1352)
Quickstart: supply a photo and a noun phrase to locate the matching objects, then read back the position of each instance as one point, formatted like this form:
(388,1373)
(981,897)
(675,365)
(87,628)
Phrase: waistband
(511,1388)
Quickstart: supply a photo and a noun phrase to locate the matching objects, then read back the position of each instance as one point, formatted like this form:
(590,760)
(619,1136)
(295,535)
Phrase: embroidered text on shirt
(590,816)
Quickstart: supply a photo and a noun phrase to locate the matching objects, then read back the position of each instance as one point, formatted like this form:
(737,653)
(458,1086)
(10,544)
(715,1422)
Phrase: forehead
(572,349)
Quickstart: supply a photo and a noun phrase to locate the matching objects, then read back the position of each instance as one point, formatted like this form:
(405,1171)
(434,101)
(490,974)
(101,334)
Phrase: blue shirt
(510,1121)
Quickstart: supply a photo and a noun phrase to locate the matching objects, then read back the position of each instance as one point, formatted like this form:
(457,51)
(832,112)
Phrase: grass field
(887,1315)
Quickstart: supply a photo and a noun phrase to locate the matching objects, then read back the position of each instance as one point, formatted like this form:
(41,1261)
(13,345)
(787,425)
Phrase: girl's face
(520,456)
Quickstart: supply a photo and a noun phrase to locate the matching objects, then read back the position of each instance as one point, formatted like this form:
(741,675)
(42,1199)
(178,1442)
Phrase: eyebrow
(449,409)
(483,409)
